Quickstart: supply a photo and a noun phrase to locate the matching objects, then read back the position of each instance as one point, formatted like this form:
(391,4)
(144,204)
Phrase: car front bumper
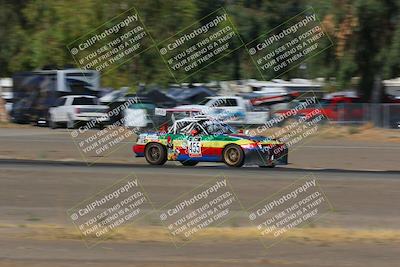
(267,155)
(92,117)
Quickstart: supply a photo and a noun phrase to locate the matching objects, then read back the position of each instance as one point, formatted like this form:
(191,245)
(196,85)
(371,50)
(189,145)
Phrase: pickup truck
(139,115)
(234,110)
(72,109)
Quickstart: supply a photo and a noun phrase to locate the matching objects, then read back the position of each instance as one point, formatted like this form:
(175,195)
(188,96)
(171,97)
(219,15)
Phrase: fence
(381,115)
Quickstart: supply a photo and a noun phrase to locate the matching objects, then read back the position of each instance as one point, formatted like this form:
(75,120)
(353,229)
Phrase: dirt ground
(361,230)
(35,230)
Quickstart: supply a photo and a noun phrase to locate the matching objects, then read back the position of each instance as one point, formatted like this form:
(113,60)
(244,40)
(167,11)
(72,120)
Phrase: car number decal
(194,148)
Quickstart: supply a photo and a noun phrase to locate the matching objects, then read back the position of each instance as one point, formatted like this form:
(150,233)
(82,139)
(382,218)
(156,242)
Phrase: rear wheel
(189,163)
(155,154)
(70,123)
(233,156)
(52,123)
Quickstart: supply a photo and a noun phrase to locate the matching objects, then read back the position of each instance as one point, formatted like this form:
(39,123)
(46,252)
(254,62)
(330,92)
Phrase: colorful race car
(201,139)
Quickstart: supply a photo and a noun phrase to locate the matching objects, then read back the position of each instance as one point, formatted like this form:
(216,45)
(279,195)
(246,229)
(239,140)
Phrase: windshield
(142,106)
(84,101)
(203,101)
(75,85)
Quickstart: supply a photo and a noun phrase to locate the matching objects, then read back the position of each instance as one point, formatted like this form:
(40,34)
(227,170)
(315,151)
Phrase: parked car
(139,115)
(71,110)
(37,91)
(233,110)
(341,109)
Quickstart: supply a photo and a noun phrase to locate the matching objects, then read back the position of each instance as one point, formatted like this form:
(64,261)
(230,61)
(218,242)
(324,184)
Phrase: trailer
(35,92)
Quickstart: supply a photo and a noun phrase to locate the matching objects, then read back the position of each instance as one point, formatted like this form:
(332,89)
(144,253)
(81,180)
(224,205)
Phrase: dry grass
(160,234)
(10,125)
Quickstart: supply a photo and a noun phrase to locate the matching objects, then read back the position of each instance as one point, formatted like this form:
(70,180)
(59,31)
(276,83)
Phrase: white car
(72,109)
(139,115)
(233,110)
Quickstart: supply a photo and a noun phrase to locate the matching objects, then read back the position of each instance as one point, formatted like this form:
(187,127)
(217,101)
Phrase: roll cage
(204,126)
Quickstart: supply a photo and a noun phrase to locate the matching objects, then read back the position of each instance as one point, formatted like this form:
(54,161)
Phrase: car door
(228,110)
(212,143)
(176,141)
(196,148)
(184,144)
(63,109)
(57,109)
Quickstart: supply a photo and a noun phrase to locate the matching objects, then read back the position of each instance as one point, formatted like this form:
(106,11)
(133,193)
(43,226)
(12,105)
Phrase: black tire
(155,154)
(70,123)
(189,163)
(52,124)
(233,155)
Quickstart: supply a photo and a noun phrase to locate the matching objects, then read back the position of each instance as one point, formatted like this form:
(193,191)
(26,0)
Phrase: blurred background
(363,63)
(366,37)
(44,173)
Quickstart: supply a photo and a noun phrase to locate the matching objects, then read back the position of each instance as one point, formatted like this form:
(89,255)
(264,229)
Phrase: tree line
(365,34)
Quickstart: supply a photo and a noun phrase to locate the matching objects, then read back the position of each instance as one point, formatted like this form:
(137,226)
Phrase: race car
(201,139)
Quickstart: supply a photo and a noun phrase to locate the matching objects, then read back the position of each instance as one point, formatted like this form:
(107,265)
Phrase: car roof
(88,96)
(182,109)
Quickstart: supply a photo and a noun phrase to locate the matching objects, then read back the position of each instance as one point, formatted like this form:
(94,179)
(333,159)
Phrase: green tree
(375,20)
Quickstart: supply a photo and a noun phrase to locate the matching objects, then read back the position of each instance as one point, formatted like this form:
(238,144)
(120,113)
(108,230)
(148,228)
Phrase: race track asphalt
(39,193)
(42,175)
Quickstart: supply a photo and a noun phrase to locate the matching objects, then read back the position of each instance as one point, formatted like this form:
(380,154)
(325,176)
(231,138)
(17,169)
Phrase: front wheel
(233,156)
(155,154)
(189,163)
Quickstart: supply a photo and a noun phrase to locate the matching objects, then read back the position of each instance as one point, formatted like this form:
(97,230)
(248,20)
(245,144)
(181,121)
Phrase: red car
(334,109)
